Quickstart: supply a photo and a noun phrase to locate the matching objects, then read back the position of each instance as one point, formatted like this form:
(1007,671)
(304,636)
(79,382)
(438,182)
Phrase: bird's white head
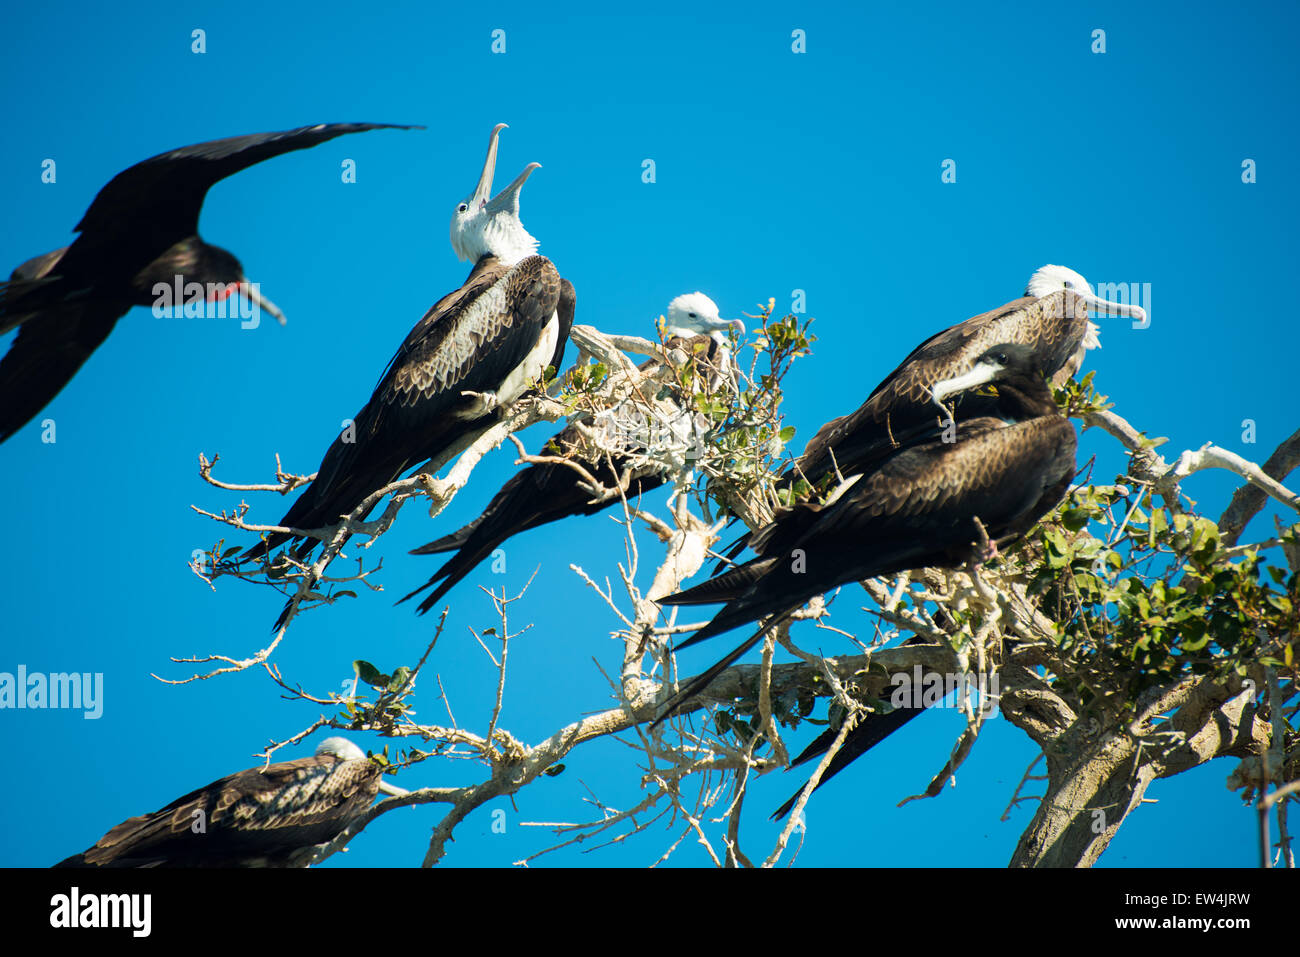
(340,748)
(1050,279)
(695,313)
(483,225)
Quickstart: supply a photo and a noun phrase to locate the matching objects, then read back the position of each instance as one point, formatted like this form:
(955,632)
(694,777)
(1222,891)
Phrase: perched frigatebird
(918,508)
(1051,320)
(263,817)
(550,491)
(493,336)
(139,241)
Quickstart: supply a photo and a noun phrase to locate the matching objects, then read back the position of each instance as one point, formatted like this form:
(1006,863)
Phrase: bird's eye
(462,207)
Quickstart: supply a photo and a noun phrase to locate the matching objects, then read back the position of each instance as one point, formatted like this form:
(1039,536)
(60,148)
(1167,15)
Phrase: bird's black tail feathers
(871,730)
(705,678)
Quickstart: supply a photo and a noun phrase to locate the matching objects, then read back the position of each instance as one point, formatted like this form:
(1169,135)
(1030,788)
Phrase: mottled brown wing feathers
(1053,325)
(990,472)
(469,341)
(472,339)
(290,805)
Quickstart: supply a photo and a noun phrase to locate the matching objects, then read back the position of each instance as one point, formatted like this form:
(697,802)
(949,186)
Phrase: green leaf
(369,673)
(1075,518)
(1282,603)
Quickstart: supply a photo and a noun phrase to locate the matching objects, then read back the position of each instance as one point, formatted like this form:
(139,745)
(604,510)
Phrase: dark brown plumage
(1054,327)
(261,817)
(549,492)
(916,509)
(470,340)
(1051,320)
(141,230)
(869,732)
(494,336)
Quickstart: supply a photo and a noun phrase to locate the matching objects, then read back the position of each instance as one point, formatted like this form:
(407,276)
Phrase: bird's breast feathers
(534,363)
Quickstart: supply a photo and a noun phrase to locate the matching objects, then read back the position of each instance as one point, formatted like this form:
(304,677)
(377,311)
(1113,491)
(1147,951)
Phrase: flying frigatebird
(263,817)
(550,491)
(918,508)
(492,337)
(140,235)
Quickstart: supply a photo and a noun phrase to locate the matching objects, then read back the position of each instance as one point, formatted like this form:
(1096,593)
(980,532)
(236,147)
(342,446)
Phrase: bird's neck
(1025,400)
(507,240)
(188,261)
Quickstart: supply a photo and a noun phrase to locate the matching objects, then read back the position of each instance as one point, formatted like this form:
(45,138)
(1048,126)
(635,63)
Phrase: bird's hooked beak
(508,199)
(714,328)
(483,191)
(979,374)
(252,292)
(722,325)
(1106,308)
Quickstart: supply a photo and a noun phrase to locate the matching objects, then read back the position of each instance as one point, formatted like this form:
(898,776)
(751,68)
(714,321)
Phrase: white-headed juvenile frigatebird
(493,337)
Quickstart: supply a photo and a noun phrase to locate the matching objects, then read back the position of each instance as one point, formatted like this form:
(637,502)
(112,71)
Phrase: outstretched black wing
(168,190)
(46,355)
(67,301)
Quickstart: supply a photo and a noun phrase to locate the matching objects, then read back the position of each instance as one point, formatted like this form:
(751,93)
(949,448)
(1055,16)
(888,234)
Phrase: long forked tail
(722,588)
(453,570)
(871,730)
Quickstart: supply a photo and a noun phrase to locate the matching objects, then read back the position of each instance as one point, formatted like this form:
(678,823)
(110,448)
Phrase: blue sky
(775,171)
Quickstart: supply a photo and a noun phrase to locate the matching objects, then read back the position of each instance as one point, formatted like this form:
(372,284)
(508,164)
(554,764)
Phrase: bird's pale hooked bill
(508,198)
(253,293)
